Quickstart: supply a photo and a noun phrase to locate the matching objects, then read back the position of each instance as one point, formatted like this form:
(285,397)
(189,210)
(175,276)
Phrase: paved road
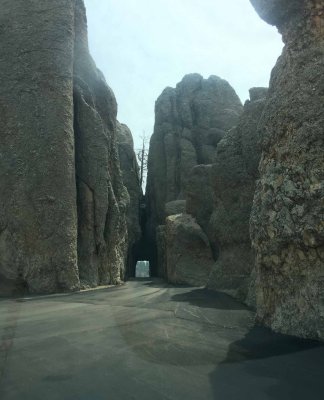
(146,340)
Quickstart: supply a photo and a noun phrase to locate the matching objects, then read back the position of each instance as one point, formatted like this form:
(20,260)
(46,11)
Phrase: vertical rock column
(190,120)
(38,218)
(287,222)
(233,177)
(102,198)
(131,179)
(62,201)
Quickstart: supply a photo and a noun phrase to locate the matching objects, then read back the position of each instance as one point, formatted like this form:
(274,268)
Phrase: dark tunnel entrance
(140,263)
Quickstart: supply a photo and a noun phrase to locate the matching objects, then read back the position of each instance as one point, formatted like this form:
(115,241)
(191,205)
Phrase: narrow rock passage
(148,340)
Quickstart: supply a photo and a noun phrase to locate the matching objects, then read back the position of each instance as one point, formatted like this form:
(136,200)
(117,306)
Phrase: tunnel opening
(140,250)
(142,269)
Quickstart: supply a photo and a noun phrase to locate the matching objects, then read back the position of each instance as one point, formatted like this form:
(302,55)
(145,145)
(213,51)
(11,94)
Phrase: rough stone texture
(102,198)
(221,195)
(161,251)
(175,207)
(189,122)
(282,13)
(188,256)
(288,212)
(200,199)
(37,178)
(130,174)
(56,112)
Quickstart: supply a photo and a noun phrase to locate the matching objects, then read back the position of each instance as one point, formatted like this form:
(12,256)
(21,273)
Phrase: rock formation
(288,211)
(188,257)
(220,197)
(190,121)
(66,219)
(130,174)
(62,202)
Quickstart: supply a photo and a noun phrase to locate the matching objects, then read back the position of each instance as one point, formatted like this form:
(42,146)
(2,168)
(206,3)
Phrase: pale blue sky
(143,46)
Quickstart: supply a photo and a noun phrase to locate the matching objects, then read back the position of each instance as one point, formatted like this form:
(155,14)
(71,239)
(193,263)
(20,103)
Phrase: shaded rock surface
(200,200)
(102,198)
(131,179)
(188,258)
(62,202)
(38,215)
(190,120)
(161,251)
(287,226)
(220,196)
(175,207)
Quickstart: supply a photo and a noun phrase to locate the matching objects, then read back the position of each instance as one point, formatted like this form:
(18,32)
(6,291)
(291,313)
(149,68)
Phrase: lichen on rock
(287,226)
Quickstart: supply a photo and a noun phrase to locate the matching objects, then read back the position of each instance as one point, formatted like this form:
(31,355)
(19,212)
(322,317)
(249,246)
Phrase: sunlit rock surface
(220,197)
(287,225)
(190,120)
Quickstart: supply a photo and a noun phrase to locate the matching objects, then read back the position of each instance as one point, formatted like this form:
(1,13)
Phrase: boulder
(188,257)
(175,207)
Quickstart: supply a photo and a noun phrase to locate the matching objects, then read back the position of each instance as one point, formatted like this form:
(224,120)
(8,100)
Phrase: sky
(143,46)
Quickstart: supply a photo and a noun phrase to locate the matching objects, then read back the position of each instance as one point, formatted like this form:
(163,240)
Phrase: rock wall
(287,226)
(187,254)
(131,179)
(189,122)
(220,197)
(62,202)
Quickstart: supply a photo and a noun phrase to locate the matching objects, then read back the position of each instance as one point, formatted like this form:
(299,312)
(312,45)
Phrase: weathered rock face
(200,200)
(37,176)
(288,211)
(102,198)
(161,261)
(220,196)
(175,207)
(188,257)
(62,202)
(130,174)
(190,121)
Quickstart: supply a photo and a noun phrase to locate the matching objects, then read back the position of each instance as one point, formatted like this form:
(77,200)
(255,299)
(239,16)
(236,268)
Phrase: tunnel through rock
(142,269)
(142,249)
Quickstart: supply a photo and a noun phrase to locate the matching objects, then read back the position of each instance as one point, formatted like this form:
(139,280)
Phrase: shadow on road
(157,282)
(266,365)
(209,299)
(261,342)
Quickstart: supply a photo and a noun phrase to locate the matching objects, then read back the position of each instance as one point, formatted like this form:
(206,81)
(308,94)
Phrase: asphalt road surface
(150,341)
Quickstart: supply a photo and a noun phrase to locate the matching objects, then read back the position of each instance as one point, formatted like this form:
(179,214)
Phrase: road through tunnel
(141,255)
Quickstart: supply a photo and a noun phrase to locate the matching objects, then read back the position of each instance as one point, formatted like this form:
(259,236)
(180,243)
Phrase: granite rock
(190,120)
(188,257)
(131,179)
(220,197)
(62,202)
(288,211)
